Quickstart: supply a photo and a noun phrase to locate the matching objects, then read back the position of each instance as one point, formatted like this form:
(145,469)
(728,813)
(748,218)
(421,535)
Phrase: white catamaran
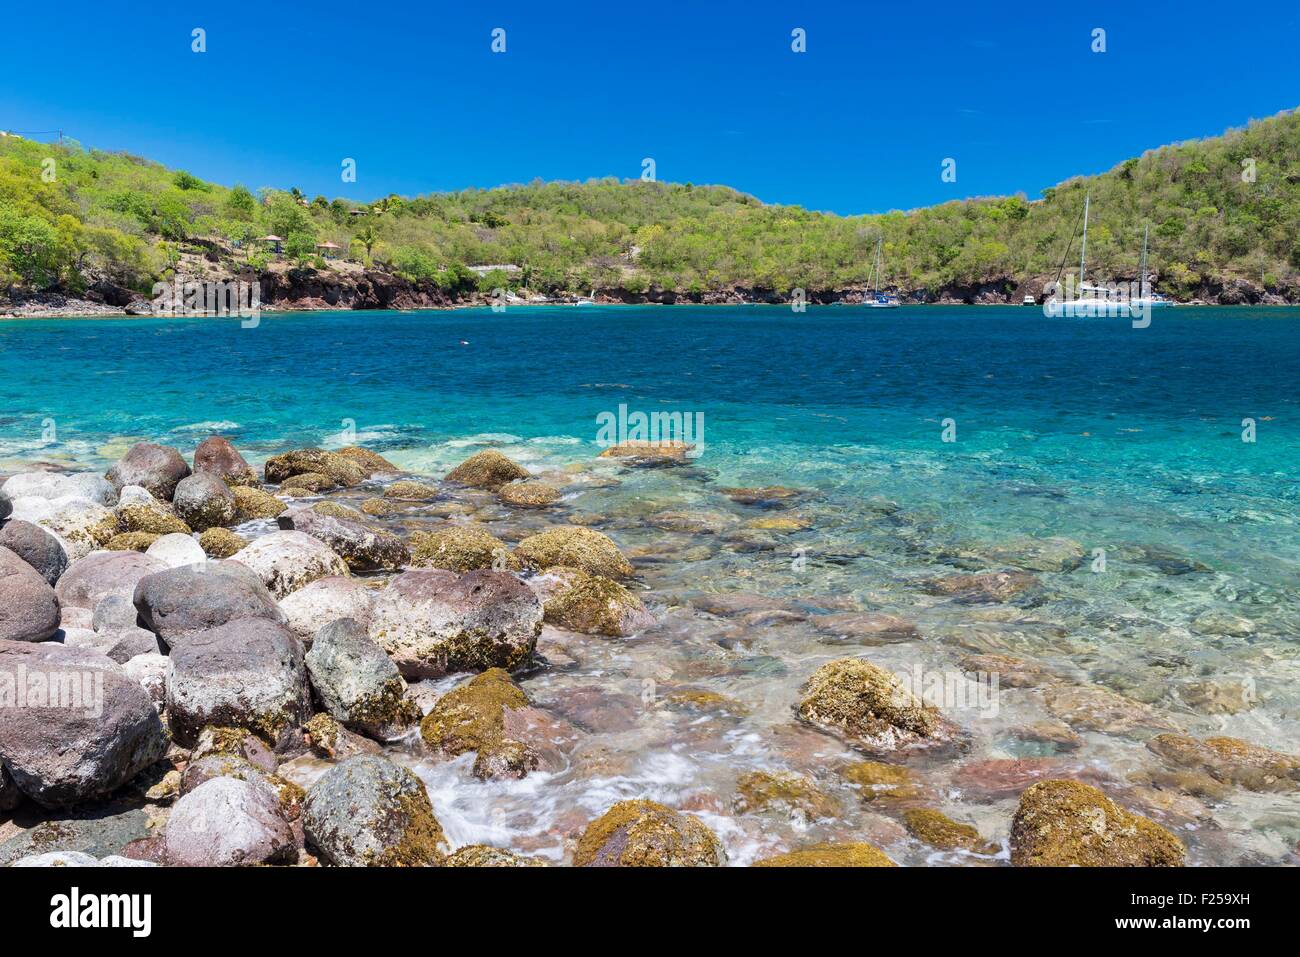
(878,299)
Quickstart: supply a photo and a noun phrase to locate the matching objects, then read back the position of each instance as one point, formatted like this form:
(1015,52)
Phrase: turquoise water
(1124,440)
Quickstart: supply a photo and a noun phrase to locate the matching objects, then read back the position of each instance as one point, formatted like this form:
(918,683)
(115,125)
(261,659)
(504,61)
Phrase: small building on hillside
(328,250)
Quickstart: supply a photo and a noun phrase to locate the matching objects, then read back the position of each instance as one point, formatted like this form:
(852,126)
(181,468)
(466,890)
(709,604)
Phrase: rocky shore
(207,663)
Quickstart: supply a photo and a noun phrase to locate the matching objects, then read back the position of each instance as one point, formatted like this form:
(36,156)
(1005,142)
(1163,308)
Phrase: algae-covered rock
(985,587)
(473,717)
(830,855)
(594,605)
(153,518)
(131,541)
(1231,761)
(459,549)
(650,454)
(82,525)
(370,462)
(370,812)
(1099,709)
(574,547)
(411,491)
(253,503)
(938,830)
(647,834)
(791,794)
(879,781)
(1068,823)
(431,621)
(528,494)
(780,523)
(700,701)
(1039,554)
(307,483)
(221,542)
(487,469)
(871,708)
(380,507)
(484,855)
(340,469)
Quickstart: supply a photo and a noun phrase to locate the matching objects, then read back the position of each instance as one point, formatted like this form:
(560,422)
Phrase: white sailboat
(878,299)
(1147,298)
(1093,300)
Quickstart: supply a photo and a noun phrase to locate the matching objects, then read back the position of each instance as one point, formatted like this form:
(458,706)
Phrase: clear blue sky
(709,89)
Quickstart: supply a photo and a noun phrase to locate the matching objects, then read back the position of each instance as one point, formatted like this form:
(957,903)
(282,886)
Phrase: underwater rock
(1231,761)
(983,587)
(592,605)
(871,709)
(866,627)
(938,830)
(791,794)
(1070,824)
(528,494)
(1038,554)
(1097,709)
(646,834)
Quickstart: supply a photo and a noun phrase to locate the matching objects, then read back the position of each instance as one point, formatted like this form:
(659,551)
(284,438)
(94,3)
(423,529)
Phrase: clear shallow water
(1119,439)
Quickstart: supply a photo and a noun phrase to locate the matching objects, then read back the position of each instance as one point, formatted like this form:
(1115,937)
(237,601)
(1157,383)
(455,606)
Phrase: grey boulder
(357,683)
(362,547)
(158,468)
(90,730)
(204,501)
(177,602)
(245,674)
(226,822)
(29,610)
(91,579)
(37,547)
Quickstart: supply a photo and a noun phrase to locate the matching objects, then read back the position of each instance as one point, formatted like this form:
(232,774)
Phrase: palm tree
(367,236)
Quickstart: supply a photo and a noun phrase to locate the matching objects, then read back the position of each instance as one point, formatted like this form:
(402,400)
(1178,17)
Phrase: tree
(367,236)
(241,205)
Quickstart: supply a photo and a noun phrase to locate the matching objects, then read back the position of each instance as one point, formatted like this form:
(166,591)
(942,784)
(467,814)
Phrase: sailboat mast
(1146,232)
(1083,252)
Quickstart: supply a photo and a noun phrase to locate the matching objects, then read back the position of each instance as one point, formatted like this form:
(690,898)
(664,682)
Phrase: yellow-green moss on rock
(790,793)
(459,549)
(131,541)
(595,605)
(1231,761)
(938,830)
(310,482)
(370,462)
(647,834)
(529,494)
(871,708)
(574,547)
(339,469)
(1072,824)
(484,855)
(830,855)
(379,507)
(153,519)
(487,469)
(411,491)
(472,717)
(221,542)
(252,503)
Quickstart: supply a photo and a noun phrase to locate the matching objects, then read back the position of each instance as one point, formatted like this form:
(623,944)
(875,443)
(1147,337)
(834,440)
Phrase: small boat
(1029,301)
(1147,298)
(586,300)
(878,299)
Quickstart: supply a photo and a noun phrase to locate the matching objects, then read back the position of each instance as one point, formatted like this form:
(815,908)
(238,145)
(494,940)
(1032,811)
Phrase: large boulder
(245,674)
(369,812)
(1071,824)
(325,600)
(216,456)
(362,547)
(872,709)
(56,485)
(287,561)
(459,549)
(6,505)
(83,729)
(340,469)
(36,546)
(29,609)
(150,516)
(204,501)
(646,834)
(226,822)
(91,579)
(221,543)
(156,467)
(432,622)
(487,469)
(357,683)
(574,547)
(528,494)
(176,603)
(254,503)
(370,462)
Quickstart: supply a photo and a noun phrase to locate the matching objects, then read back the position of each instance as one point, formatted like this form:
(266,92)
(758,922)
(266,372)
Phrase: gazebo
(328,250)
(275,242)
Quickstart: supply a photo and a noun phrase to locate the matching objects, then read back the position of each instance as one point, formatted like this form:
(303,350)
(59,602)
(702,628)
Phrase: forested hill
(1224,216)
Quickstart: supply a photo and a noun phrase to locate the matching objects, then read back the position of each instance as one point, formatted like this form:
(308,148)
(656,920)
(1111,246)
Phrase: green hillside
(117,218)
